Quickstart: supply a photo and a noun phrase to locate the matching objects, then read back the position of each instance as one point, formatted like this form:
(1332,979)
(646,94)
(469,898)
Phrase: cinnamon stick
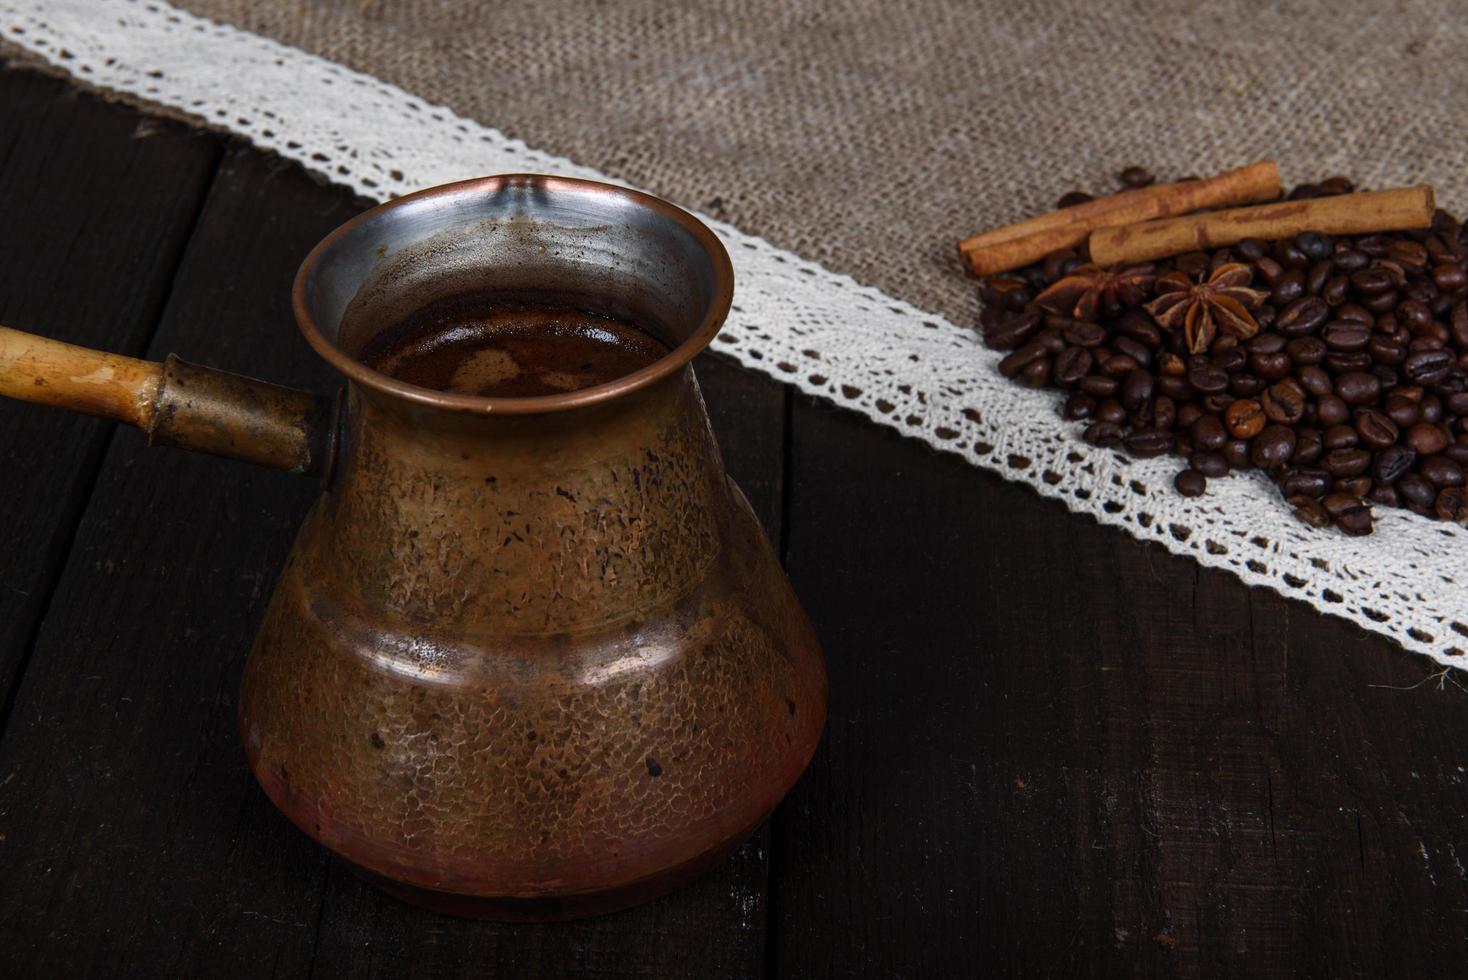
(1346,214)
(1012,246)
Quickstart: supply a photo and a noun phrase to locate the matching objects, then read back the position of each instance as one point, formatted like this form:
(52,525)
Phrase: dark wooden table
(1052,749)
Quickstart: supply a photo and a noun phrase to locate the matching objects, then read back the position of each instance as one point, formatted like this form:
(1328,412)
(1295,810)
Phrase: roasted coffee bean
(1036,374)
(1244,418)
(1073,198)
(1441,471)
(1301,317)
(1236,451)
(1355,313)
(1392,463)
(1356,486)
(1164,412)
(1136,389)
(1341,437)
(1376,430)
(1415,489)
(1305,482)
(1310,511)
(1339,503)
(1071,365)
(1317,276)
(1425,438)
(1013,331)
(1251,249)
(1306,350)
(1103,434)
(1271,367)
(1384,494)
(1229,359)
(1176,387)
(1345,335)
(1389,376)
(1355,521)
(1413,314)
(1451,504)
(1386,350)
(1099,385)
(1269,270)
(1079,406)
(1148,443)
(1431,408)
(1335,291)
(1456,403)
(1428,367)
(1450,276)
(1118,366)
(1133,349)
(1208,433)
(1402,409)
(1347,462)
(1290,287)
(1458,453)
(1187,414)
(1349,259)
(1357,388)
(1264,343)
(1331,410)
(1287,254)
(1110,410)
(1246,385)
(1082,333)
(1315,381)
(1209,464)
(1139,327)
(1283,402)
(1134,177)
(1382,303)
(1309,446)
(1017,361)
(1273,447)
(1337,185)
(1314,245)
(1412,255)
(1373,282)
(1206,377)
(1190,483)
(1344,362)
(1458,323)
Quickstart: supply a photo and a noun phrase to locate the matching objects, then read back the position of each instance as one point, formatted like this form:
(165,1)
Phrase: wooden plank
(97,202)
(1054,748)
(135,842)
(713,928)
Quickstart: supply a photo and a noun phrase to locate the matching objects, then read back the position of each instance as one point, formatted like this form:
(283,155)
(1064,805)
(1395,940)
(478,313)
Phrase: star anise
(1089,290)
(1222,302)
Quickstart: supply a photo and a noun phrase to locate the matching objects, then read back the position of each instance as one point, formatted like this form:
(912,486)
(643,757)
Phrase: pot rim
(675,360)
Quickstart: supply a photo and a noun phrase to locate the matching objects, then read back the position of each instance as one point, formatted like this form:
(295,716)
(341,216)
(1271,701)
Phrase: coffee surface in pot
(495,347)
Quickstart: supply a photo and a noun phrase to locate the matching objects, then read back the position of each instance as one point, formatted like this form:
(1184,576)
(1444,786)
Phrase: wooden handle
(175,403)
(34,369)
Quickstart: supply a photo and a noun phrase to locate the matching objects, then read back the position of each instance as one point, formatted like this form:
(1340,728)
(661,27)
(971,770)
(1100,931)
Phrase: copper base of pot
(551,908)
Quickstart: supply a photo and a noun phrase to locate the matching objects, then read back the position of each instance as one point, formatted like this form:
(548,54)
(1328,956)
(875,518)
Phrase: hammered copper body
(529,658)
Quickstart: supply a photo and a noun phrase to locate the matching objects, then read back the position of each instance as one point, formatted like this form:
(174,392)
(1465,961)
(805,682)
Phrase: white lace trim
(793,320)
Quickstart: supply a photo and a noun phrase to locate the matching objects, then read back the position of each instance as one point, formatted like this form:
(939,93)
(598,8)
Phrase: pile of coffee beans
(1354,391)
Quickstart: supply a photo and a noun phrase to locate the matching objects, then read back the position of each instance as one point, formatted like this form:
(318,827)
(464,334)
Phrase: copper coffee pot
(529,658)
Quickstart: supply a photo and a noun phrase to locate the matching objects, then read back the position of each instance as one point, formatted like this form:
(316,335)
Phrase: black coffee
(502,348)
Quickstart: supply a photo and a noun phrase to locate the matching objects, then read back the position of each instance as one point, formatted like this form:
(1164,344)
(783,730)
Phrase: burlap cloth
(870,135)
